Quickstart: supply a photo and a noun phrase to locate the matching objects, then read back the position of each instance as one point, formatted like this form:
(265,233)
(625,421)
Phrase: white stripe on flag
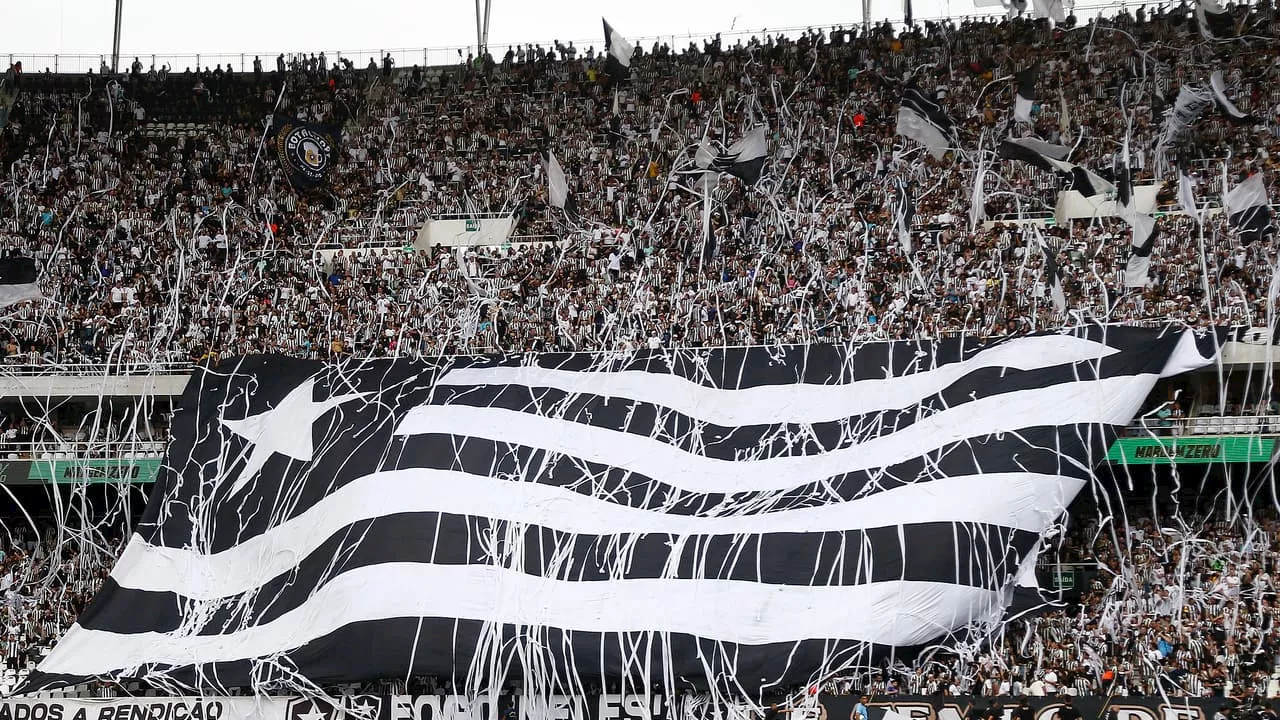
(1137,270)
(725,610)
(19,292)
(1022,109)
(1024,501)
(797,403)
(1112,401)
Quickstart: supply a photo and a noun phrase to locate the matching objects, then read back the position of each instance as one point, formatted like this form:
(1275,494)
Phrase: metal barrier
(73,449)
(165,367)
(454,54)
(1207,425)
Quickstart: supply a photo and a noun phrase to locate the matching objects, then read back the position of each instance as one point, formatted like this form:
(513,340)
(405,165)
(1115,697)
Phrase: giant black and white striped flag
(736,517)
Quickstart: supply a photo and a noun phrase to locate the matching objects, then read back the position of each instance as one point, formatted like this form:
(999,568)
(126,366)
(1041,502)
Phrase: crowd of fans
(1168,609)
(165,229)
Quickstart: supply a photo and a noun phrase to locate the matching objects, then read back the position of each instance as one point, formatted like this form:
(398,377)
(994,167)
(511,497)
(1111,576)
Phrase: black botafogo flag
(307,151)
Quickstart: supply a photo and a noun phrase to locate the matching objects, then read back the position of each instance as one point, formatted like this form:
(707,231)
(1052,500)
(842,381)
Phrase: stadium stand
(125,211)
(168,236)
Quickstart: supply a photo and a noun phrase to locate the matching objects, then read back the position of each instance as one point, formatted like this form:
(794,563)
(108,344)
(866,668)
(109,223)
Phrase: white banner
(1073,205)
(187,708)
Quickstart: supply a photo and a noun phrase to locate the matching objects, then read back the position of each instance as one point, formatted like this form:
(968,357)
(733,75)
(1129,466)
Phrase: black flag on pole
(746,158)
(1228,108)
(1053,277)
(1214,20)
(1249,210)
(18,276)
(618,53)
(1187,108)
(306,151)
(1025,98)
(1144,231)
(923,120)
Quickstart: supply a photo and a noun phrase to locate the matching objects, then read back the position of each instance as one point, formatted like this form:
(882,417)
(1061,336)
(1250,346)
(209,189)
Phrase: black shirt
(1067,712)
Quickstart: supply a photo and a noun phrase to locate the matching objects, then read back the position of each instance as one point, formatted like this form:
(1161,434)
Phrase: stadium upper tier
(165,230)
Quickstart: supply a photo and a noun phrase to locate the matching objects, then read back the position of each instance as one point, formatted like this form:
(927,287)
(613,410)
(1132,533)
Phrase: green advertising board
(35,472)
(1064,579)
(1195,450)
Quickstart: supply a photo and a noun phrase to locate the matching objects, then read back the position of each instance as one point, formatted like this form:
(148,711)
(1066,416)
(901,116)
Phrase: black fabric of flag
(1190,104)
(1228,108)
(1053,277)
(8,96)
(18,276)
(306,151)
(742,515)
(618,53)
(1214,21)
(1249,210)
(744,159)
(1052,158)
(1025,98)
(924,121)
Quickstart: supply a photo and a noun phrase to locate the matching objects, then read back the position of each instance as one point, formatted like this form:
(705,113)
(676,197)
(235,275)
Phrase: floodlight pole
(115,43)
(482,26)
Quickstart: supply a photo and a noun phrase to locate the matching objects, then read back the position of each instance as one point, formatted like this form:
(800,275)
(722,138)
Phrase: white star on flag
(284,429)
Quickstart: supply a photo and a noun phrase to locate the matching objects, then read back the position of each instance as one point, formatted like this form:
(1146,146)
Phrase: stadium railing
(1207,425)
(79,450)
(164,367)
(454,54)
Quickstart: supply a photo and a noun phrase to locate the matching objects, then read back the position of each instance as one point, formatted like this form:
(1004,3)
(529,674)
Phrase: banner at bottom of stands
(595,707)
(1191,450)
(38,472)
